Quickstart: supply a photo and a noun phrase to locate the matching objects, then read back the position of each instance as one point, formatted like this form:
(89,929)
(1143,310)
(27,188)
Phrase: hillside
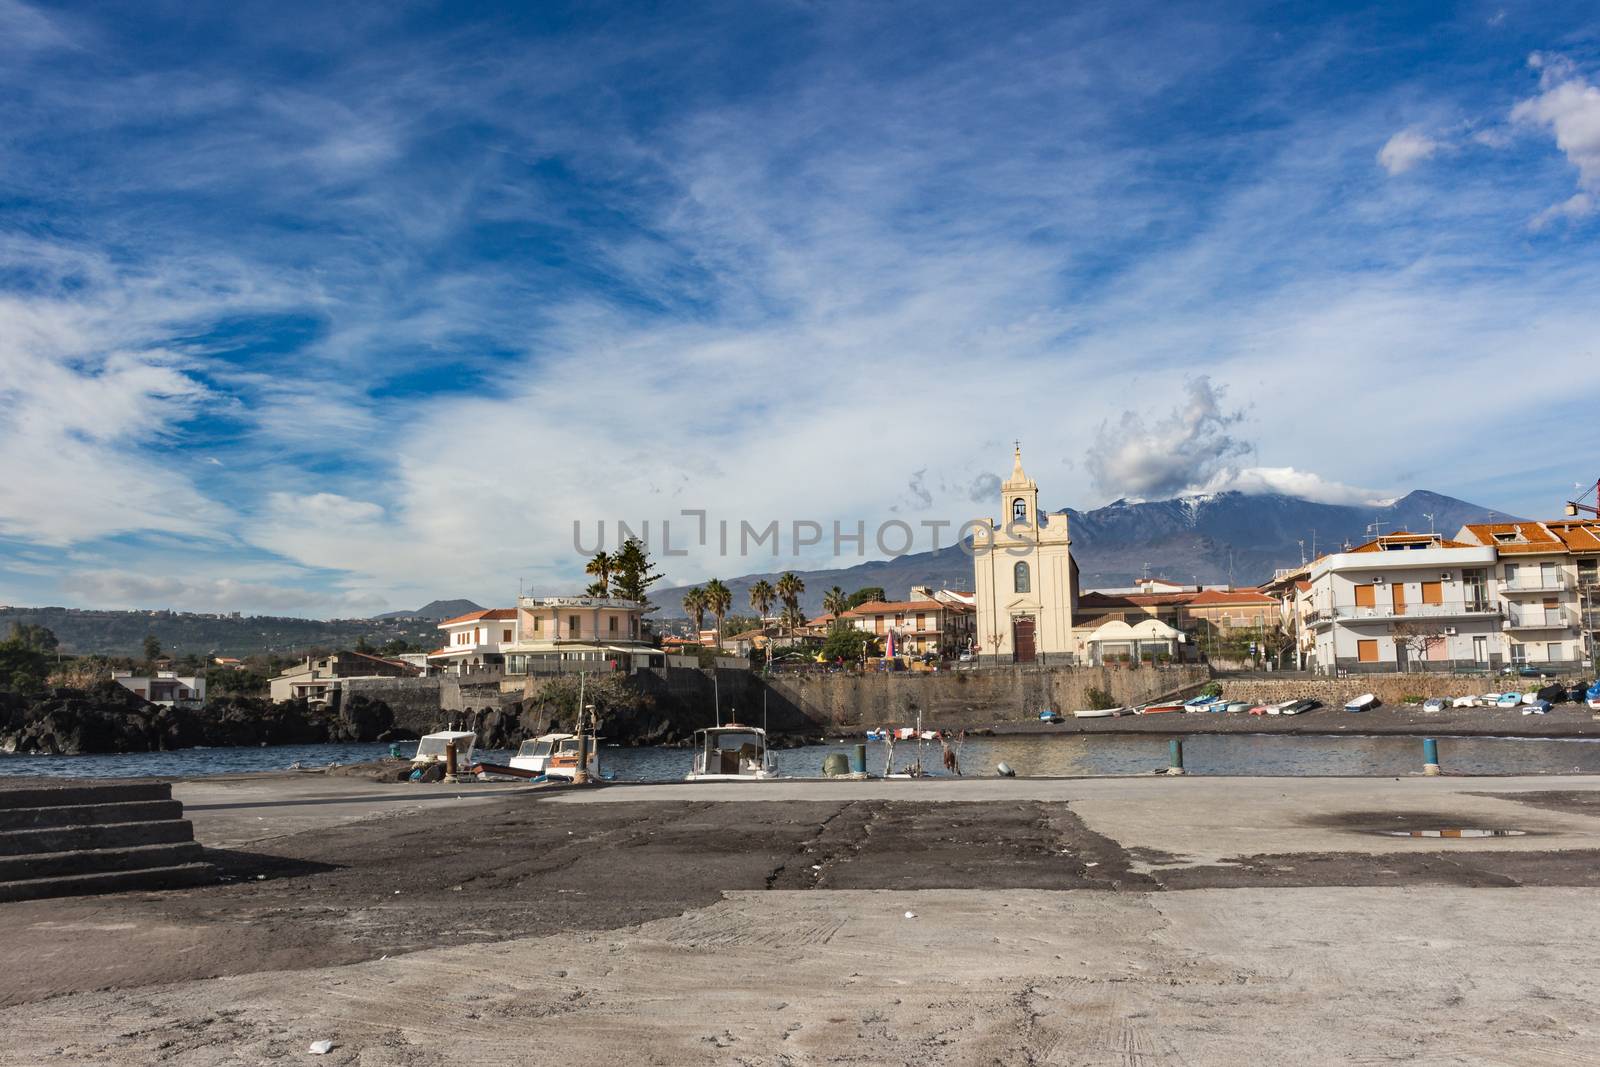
(1228,537)
(122,633)
(435,610)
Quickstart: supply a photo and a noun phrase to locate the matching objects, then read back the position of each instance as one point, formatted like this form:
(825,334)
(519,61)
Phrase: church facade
(1026,580)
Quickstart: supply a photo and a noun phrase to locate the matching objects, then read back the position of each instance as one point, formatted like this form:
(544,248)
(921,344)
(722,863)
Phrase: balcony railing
(1537,620)
(1389,613)
(1532,583)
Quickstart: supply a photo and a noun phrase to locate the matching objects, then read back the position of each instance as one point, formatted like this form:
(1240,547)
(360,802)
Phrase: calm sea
(1078,754)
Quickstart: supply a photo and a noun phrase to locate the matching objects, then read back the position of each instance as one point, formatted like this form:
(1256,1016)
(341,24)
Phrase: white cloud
(1291,482)
(1188,448)
(1568,106)
(125,589)
(1406,149)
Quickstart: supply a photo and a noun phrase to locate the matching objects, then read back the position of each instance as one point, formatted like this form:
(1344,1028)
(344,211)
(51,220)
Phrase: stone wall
(967,699)
(414,701)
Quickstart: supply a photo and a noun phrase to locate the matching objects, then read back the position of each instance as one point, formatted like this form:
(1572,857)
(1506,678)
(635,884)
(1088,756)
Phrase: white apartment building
(164,687)
(1548,583)
(474,641)
(1401,602)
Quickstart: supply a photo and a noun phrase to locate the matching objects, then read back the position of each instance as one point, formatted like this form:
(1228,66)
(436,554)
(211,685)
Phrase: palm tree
(793,618)
(718,600)
(694,605)
(836,602)
(761,597)
(789,589)
(600,569)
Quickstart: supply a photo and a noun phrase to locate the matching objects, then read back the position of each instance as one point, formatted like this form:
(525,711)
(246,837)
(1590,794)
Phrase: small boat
(733,753)
(1159,709)
(1362,703)
(1538,707)
(1433,704)
(1261,709)
(1464,702)
(1201,703)
(555,755)
(433,748)
(1592,697)
(1530,697)
(878,734)
(1237,707)
(1096,713)
(1508,700)
(1050,716)
(1299,707)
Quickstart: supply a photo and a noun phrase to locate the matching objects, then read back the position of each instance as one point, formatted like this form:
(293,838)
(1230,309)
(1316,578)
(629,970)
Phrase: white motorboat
(732,753)
(433,747)
(1508,700)
(1362,703)
(1464,702)
(1096,713)
(555,756)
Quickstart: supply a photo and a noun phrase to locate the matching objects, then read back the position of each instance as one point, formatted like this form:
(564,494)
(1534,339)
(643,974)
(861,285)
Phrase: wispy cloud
(1569,107)
(1406,149)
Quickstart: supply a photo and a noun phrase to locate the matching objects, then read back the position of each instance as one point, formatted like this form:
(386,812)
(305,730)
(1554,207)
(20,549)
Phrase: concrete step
(108,882)
(90,814)
(77,838)
(56,796)
(97,860)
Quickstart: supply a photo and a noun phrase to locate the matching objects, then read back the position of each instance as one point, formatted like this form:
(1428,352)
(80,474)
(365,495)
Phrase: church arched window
(1019,510)
(1021,580)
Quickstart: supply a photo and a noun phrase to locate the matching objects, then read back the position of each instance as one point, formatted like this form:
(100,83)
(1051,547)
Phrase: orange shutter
(1398,592)
(1367,651)
(1433,592)
(1366,597)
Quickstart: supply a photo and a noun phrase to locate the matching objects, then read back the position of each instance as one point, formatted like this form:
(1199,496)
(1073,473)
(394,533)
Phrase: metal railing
(1547,619)
(1387,612)
(1537,584)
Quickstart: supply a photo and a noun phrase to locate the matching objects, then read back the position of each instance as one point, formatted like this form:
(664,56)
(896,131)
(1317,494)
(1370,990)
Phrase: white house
(1545,581)
(564,633)
(165,687)
(475,641)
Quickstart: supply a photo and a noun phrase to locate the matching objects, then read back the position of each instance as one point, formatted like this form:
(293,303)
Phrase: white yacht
(732,753)
(555,756)
(431,749)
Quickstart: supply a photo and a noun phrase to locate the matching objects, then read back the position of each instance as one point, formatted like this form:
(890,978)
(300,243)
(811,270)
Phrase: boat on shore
(1160,709)
(1097,713)
(555,756)
(732,753)
(1363,702)
(1592,697)
(441,753)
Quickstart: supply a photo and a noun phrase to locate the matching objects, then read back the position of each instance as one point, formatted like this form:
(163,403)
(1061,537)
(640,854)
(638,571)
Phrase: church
(1026,580)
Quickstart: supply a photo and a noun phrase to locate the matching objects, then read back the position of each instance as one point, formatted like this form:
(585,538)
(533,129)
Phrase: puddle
(1465,831)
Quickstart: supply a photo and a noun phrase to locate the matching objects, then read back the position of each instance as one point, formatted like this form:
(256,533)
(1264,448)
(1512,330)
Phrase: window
(1367,651)
(505,636)
(611,623)
(538,624)
(572,626)
(1021,580)
(1366,596)
(1019,510)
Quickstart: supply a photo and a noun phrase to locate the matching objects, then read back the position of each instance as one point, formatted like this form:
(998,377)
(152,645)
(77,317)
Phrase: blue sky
(330,309)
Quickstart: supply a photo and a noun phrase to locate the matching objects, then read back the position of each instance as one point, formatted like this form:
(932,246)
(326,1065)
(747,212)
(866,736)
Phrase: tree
(363,645)
(694,606)
(848,644)
(718,600)
(34,636)
(762,596)
(835,602)
(632,573)
(600,568)
(1418,639)
(790,588)
(867,594)
(792,618)
(738,624)
(22,667)
(152,648)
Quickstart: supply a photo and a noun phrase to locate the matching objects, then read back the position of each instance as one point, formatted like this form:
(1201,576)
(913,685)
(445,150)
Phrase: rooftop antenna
(1302,545)
(1375,528)
(1430,522)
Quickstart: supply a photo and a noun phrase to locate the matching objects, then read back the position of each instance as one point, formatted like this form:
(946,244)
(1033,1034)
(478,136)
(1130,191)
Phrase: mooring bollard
(1175,752)
(858,760)
(1430,757)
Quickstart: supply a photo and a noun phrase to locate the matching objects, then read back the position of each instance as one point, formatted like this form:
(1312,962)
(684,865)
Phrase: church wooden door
(1023,641)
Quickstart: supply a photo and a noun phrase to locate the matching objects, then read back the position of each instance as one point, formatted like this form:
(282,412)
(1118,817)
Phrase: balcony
(1547,619)
(1468,609)
(1535,583)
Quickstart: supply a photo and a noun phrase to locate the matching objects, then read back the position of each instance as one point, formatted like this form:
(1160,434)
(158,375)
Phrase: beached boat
(1362,703)
(1096,713)
(1538,707)
(1530,697)
(1592,697)
(433,747)
(1299,707)
(1203,703)
(1433,704)
(1464,702)
(555,756)
(1261,709)
(1237,707)
(732,753)
(1508,700)
(1160,709)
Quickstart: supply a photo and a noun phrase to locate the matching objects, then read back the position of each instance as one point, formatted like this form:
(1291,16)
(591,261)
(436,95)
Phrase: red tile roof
(885,607)
(488,614)
(1211,598)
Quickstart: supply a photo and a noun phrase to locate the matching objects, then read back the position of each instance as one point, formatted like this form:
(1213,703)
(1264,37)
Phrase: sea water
(1074,754)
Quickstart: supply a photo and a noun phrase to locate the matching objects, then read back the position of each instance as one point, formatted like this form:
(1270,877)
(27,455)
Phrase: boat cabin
(555,755)
(431,749)
(732,751)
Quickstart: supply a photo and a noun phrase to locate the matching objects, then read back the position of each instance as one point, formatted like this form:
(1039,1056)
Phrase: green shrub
(1412,698)
(1211,689)
(1099,698)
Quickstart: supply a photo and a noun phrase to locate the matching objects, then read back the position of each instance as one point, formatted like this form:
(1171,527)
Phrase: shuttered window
(1367,651)
(1366,596)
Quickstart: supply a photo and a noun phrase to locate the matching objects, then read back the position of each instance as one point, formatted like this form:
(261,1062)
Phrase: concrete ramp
(71,839)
